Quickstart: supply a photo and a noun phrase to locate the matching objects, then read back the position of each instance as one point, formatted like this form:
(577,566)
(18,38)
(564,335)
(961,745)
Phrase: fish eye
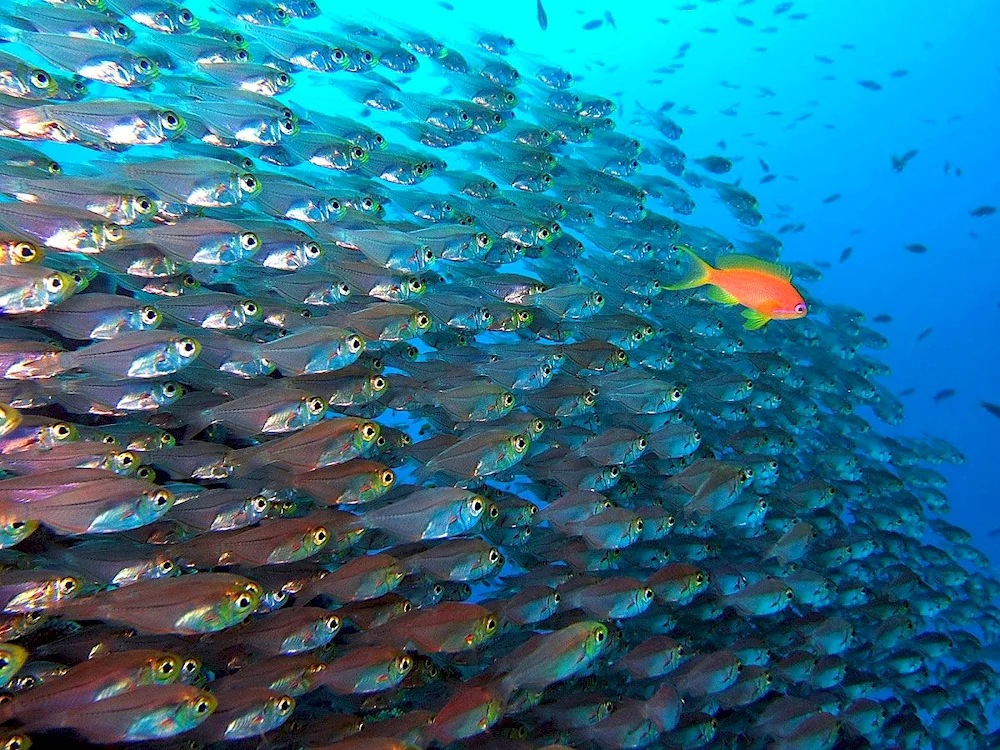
(544,233)
(369,431)
(185,17)
(188,347)
(62,430)
(675,394)
(316,405)
(415,286)
(313,251)
(320,536)
(789,594)
(144,64)
(249,241)
(250,307)
(355,344)
(126,459)
(54,283)
(122,31)
(202,706)
(243,601)
(149,315)
(167,667)
(260,504)
(339,56)
(699,578)
(332,623)
(242,55)
(167,566)
(800,308)
(249,183)
(388,477)
(508,400)
(161,498)
(113,232)
(280,14)
(170,120)
(66,585)
(24,252)
(491,625)
(379,383)
(286,126)
(40,79)
(283,79)
(546,370)
(495,556)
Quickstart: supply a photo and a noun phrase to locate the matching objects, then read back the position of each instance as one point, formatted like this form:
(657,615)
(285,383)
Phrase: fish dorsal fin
(751,263)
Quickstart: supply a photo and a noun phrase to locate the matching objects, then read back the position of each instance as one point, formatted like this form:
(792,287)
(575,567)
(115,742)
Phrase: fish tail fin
(196,421)
(698,272)
(247,460)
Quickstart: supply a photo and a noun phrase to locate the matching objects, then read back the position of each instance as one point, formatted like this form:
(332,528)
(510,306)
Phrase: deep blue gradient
(947,107)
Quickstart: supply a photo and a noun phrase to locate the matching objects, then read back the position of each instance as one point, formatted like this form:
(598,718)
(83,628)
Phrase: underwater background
(388,443)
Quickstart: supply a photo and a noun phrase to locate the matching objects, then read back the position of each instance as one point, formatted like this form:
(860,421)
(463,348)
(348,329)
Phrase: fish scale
(482,469)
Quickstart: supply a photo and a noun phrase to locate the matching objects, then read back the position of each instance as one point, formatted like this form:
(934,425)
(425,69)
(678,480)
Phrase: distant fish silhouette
(543,19)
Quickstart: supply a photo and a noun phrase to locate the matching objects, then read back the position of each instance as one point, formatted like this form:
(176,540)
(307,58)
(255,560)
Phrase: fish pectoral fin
(717,294)
(754,320)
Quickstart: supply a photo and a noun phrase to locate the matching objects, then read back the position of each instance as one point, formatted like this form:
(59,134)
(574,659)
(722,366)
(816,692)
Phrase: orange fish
(764,288)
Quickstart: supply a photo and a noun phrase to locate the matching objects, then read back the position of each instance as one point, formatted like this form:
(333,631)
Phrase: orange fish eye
(332,623)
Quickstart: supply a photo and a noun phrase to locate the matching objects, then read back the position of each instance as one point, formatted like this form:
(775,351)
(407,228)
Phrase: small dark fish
(832,198)
(871,85)
(447,6)
(610,19)
(882,318)
(846,253)
(924,334)
(907,391)
(543,19)
(916,247)
(899,73)
(899,162)
(992,409)
(763,165)
(944,393)
(768,178)
(591,25)
(824,59)
(983,211)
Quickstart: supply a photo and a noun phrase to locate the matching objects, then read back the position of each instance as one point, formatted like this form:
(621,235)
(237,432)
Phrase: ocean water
(811,101)
(823,133)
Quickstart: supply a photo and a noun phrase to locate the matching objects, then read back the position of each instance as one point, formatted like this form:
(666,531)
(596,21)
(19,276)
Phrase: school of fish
(363,389)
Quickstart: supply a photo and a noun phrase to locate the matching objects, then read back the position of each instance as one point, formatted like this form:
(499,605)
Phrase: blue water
(947,107)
